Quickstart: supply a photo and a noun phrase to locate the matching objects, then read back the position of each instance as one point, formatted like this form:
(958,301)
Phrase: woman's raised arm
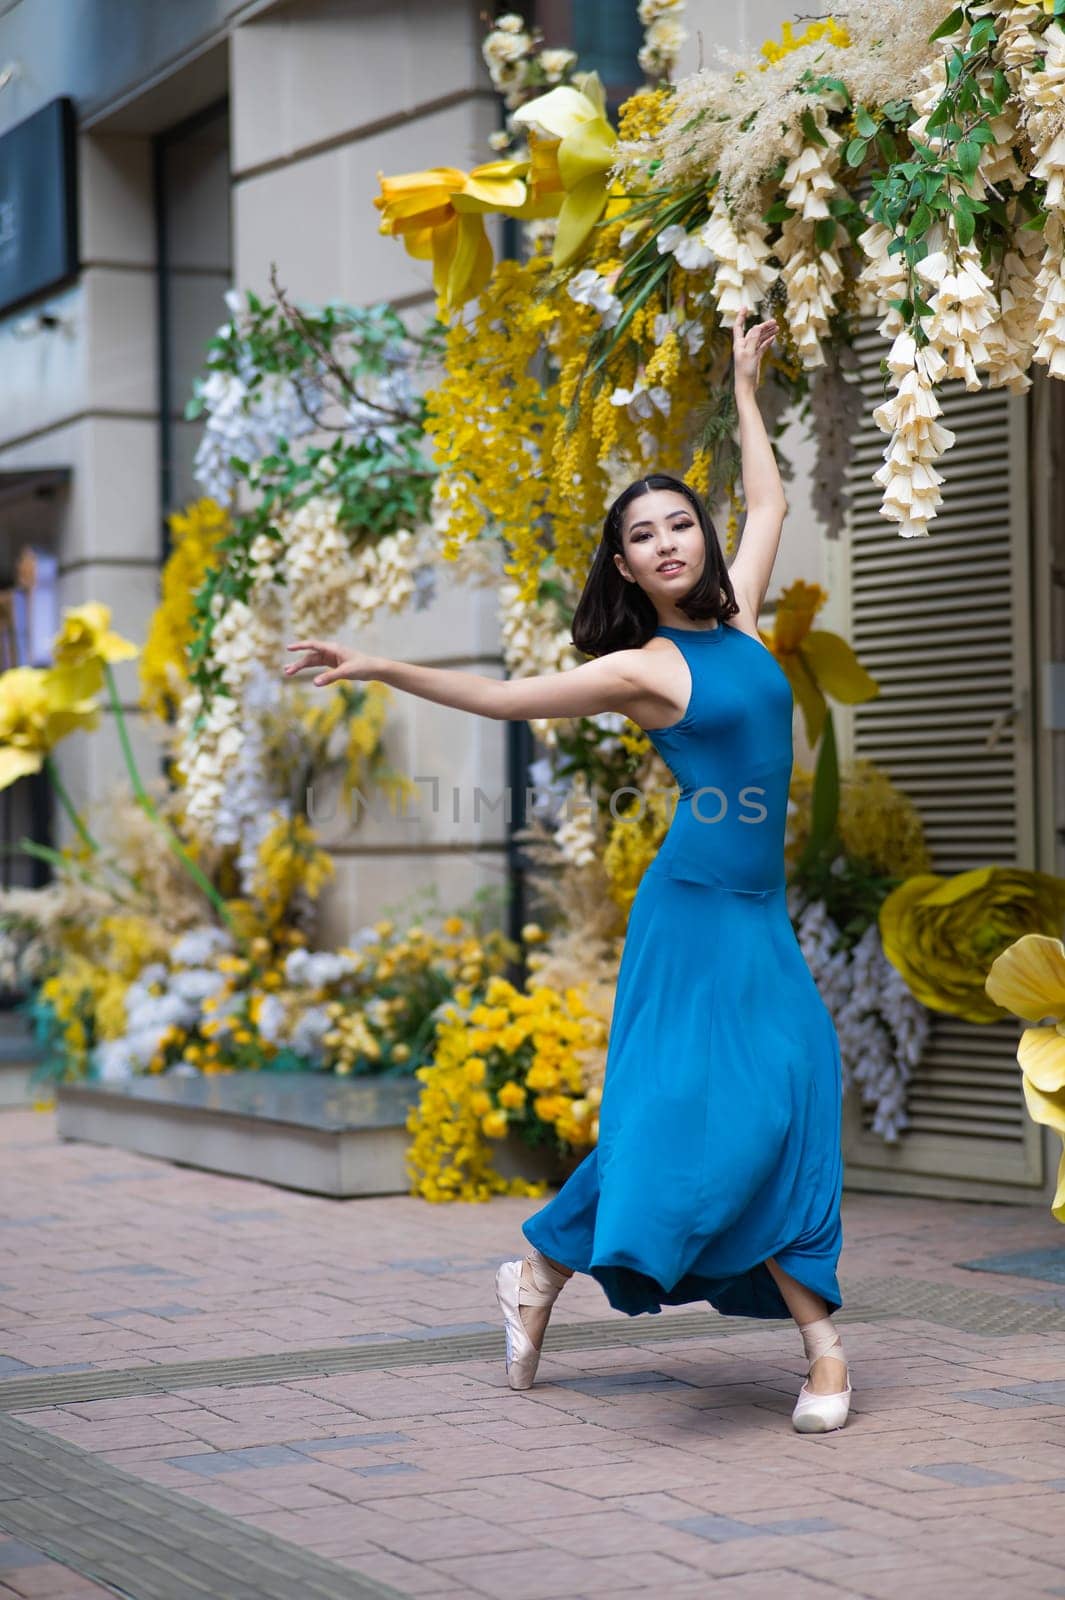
(617,682)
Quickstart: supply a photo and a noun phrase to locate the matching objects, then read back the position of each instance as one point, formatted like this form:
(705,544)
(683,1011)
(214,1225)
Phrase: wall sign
(38,204)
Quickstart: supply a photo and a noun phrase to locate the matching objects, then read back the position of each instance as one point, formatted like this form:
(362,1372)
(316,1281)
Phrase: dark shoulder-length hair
(614,614)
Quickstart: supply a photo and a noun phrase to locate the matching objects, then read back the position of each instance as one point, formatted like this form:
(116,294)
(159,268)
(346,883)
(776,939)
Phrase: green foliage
(358,373)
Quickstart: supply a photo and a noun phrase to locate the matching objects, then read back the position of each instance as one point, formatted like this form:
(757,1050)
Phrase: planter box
(19,1055)
(512,1158)
(316,1133)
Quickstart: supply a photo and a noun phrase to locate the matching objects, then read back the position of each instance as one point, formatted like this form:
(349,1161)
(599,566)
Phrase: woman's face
(662,546)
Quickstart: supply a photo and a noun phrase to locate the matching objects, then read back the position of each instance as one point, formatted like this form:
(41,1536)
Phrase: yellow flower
(1028,978)
(513,1096)
(572,147)
(480,1102)
(495,1124)
(38,707)
(532,933)
(439,215)
(943,934)
(815,662)
(85,639)
(474,1070)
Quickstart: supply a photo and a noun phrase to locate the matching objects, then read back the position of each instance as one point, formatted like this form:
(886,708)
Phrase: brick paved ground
(665,1466)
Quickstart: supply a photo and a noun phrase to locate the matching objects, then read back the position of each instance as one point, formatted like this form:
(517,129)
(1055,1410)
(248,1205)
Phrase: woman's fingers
(316,659)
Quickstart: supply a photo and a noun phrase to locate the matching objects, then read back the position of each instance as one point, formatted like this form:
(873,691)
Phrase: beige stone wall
(326,95)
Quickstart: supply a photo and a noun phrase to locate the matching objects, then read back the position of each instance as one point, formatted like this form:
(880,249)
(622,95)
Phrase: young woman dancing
(718,1171)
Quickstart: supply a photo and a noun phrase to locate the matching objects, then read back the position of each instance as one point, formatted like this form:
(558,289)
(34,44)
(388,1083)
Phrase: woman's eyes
(677,527)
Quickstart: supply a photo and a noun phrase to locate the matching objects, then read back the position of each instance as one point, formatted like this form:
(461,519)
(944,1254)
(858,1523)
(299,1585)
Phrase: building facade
(214,140)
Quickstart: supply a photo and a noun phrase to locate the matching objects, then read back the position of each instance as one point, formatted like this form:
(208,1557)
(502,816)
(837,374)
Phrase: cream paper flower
(812,276)
(882,278)
(908,477)
(742,275)
(1043,97)
(1012,339)
(959,292)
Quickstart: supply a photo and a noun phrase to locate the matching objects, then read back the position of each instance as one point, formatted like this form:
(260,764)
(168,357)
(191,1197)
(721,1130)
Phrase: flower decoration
(1028,978)
(439,215)
(816,661)
(38,707)
(569,135)
(943,934)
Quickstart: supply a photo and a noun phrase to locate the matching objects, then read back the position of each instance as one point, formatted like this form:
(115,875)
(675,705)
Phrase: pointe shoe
(821,1413)
(523,1357)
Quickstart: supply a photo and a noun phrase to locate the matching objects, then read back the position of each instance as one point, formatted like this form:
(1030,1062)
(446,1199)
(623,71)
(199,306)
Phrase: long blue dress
(720,1123)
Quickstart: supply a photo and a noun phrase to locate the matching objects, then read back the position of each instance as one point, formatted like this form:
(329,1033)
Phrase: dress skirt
(720,1122)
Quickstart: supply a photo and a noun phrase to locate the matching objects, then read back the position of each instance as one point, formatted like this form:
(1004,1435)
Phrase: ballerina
(717,1175)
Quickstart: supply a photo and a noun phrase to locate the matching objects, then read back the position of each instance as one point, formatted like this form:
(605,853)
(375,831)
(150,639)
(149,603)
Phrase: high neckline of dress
(693,633)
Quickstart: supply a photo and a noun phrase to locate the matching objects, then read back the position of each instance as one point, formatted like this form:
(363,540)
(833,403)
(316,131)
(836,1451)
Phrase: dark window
(606,34)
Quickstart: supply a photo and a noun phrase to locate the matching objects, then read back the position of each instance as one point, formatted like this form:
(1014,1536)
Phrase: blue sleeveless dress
(720,1123)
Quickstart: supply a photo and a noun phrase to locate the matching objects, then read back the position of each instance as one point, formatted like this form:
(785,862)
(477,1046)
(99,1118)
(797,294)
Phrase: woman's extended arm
(752,569)
(617,682)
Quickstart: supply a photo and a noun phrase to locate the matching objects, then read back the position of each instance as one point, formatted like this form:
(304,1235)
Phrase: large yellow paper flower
(943,934)
(816,661)
(439,214)
(569,135)
(38,707)
(1028,978)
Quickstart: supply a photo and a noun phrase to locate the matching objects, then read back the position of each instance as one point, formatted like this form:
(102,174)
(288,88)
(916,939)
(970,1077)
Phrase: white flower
(661,47)
(589,289)
(556,63)
(689,249)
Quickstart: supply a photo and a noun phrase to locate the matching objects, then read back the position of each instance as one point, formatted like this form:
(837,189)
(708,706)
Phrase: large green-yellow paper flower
(1028,978)
(943,934)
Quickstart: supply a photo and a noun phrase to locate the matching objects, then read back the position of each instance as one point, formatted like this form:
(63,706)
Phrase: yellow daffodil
(86,641)
(572,147)
(943,934)
(816,661)
(1028,978)
(38,707)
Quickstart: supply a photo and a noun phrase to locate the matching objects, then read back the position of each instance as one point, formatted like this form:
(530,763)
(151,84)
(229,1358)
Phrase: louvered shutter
(944,625)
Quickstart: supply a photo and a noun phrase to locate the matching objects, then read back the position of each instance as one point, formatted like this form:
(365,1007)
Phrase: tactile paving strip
(149,1543)
(868,1300)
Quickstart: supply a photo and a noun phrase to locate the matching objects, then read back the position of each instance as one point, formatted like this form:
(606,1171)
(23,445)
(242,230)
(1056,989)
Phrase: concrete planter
(513,1158)
(319,1134)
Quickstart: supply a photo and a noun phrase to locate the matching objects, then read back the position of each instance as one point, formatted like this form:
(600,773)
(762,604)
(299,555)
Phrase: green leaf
(854,154)
(864,123)
(811,130)
(920,222)
(968,154)
(965,226)
(949,25)
(779,211)
(825,232)
(938,116)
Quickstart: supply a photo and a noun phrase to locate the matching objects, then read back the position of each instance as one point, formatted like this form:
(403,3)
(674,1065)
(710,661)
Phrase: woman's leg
(827,1374)
(535,1318)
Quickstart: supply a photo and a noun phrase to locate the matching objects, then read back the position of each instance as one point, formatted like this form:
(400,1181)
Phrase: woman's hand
(337,661)
(748,347)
